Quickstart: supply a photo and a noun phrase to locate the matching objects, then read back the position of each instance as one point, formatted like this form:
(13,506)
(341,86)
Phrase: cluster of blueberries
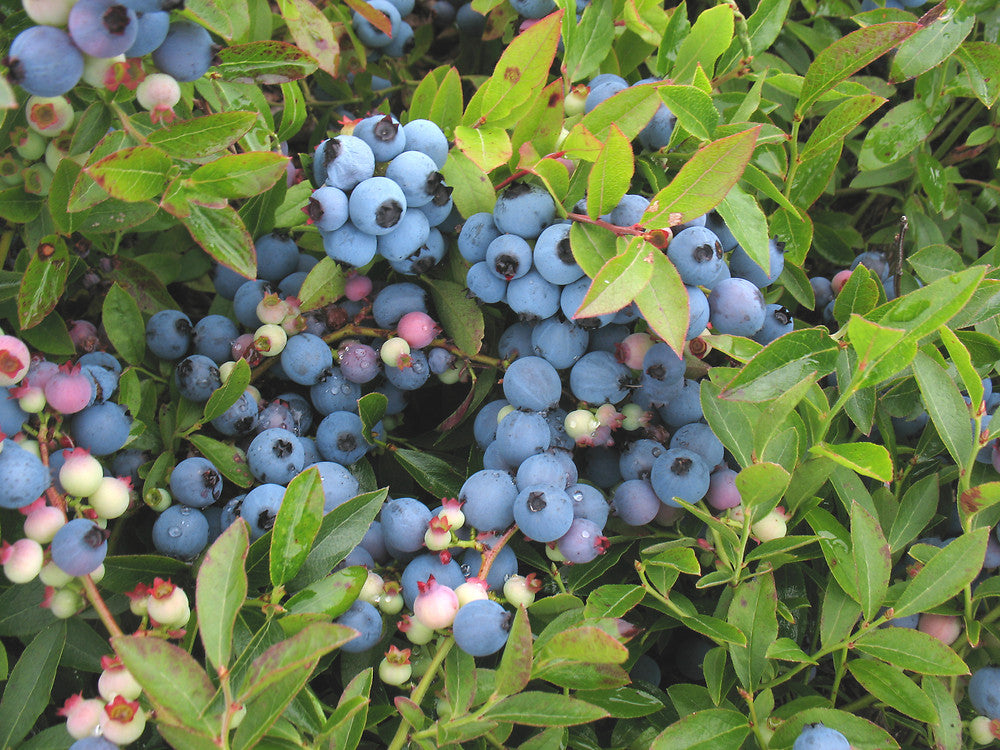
(399,214)
(48,60)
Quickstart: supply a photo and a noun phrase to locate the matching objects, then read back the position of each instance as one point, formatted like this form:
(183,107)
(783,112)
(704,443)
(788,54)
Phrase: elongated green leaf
(486,147)
(629,110)
(592,247)
(472,190)
(170,677)
(898,133)
(133,174)
(618,282)
(982,67)
(312,33)
(438,97)
(872,560)
(591,43)
(27,690)
(296,525)
(330,596)
(239,175)
(889,685)
(711,729)
(806,354)
(514,671)
(348,720)
(229,459)
(265,708)
(43,282)
(864,734)
(708,39)
(461,317)
(229,393)
(945,574)
(703,181)
(221,590)
(748,224)
(869,459)
(664,303)
(434,474)
(763,27)
(753,610)
(193,139)
(544,710)
(947,409)
(123,324)
(586,644)
(933,44)
(221,234)
(693,109)
(923,310)
(323,285)
(847,56)
(611,174)
(911,650)
(613,600)
(834,128)
(267,62)
(948,729)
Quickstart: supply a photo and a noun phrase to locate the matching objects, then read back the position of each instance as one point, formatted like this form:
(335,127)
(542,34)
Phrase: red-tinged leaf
(619,281)
(312,32)
(486,147)
(221,590)
(514,671)
(375,17)
(221,234)
(268,62)
(519,75)
(611,175)
(132,174)
(703,182)
(193,139)
(664,304)
(239,175)
(841,120)
(847,56)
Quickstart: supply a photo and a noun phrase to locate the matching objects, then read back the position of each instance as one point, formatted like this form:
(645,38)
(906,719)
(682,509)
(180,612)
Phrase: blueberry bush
(520,373)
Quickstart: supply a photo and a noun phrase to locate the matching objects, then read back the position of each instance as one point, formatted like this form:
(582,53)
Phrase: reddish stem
(634,231)
(97,602)
(490,555)
(524,172)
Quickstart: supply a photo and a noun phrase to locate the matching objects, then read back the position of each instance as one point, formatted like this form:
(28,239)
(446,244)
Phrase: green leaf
(228,394)
(592,246)
(835,542)
(947,408)
(229,459)
(472,190)
(864,734)
(889,685)
(762,29)
(619,280)
(753,610)
(806,354)
(371,408)
(785,649)
(613,600)
(229,20)
(19,207)
(693,109)
(44,281)
(519,74)
(935,261)
(221,234)
(629,110)
(461,317)
(918,506)
(330,596)
(584,644)
(834,128)
(133,174)
(945,574)
(611,174)
(323,285)
(486,147)
(911,650)
(123,324)
(872,561)
(948,729)
(438,97)
(434,474)
(924,310)
(664,303)
(221,591)
(624,702)
(840,613)
(267,62)
(878,351)
(703,181)
(347,722)
(26,693)
(848,55)
(869,459)
(761,486)
(708,39)
(982,67)
(591,42)
(711,729)
(748,224)
(898,133)
(858,296)
(539,709)
(459,680)
(170,677)
(296,525)
(313,33)
(181,736)
(932,44)
(239,175)
(342,529)
(514,671)
(202,136)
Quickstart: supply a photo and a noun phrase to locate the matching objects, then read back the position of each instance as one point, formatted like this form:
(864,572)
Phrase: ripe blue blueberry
(984,691)
(404,521)
(371,36)
(23,477)
(509,257)
(260,507)
(777,322)
(240,418)
(680,473)
(102,28)
(543,513)
(186,53)
(79,547)
(383,133)
(524,210)
(820,737)
(635,502)
(599,378)
(395,300)
(196,482)
(275,455)
(277,256)
(197,377)
(363,617)
(741,265)
(737,307)
(102,428)
(376,205)
(532,383)
(483,284)
(553,255)
(339,485)
(417,175)
(532,297)
(488,500)
(334,392)
(44,61)
(168,334)
(521,434)
(583,542)
(306,358)
(343,162)
(476,234)
(180,532)
(697,254)
(151,30)
(427,136)
(481,627)
(340,438)
(213,336)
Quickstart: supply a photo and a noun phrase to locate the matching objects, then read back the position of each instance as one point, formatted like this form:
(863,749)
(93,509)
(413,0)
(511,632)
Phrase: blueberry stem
(491,554)
(399,739)
(99,605)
